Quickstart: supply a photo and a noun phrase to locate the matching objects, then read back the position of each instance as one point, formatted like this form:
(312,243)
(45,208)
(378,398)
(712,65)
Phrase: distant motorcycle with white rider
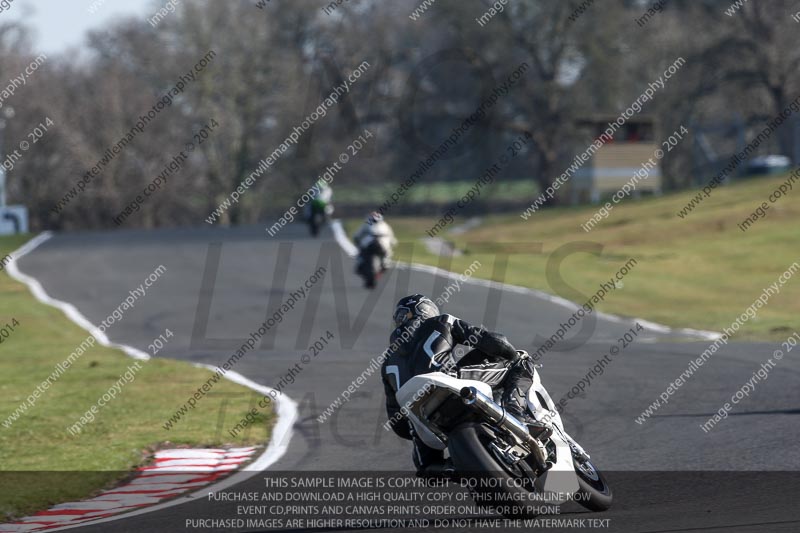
(375,242)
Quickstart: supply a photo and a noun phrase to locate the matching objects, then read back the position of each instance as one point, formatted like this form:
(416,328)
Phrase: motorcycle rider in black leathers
(423,342)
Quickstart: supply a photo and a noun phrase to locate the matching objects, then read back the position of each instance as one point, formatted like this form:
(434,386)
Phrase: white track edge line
(286,407)
(68,309)
(351,250)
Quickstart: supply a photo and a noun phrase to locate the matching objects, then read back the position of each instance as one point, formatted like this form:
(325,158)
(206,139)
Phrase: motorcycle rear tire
(494,486)
(367,268)
(316,222)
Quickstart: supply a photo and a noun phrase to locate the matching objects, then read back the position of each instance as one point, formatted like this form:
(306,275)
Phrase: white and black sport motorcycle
(369,264)
(507,468)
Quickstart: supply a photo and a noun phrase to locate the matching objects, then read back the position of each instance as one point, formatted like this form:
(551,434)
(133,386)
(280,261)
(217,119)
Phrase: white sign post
(2,187)
(13,218)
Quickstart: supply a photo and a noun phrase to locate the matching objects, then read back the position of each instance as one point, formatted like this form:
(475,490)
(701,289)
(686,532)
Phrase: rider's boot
(430,462)
(444,469)
(515,392)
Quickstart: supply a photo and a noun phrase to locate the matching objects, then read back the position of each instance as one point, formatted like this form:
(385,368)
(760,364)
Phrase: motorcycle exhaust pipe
(496,414)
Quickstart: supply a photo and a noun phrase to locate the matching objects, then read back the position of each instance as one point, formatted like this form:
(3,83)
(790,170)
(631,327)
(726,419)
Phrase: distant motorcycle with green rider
(319,209)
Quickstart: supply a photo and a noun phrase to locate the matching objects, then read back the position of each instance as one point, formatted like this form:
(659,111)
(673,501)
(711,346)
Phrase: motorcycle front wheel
(595,494)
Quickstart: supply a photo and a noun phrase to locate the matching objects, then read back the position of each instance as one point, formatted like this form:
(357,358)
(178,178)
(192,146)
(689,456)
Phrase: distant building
(615,163)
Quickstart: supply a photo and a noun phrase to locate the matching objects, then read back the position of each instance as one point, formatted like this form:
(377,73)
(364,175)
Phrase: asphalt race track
(666,473)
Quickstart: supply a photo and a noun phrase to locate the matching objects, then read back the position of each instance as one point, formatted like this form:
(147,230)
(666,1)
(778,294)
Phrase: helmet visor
(401,315)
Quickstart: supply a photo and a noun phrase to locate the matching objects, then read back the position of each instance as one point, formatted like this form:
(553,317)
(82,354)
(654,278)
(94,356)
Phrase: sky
(60,24)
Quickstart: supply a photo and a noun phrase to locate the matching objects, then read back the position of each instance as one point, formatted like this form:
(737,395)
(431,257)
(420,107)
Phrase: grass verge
(700,272)
(124,432)
(438,192)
